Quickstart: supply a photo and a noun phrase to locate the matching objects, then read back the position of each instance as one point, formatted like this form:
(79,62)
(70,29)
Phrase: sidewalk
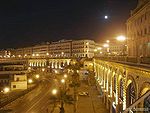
(91,104)
(87,104)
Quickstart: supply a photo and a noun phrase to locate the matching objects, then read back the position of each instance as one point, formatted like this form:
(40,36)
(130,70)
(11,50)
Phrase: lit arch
(131,91)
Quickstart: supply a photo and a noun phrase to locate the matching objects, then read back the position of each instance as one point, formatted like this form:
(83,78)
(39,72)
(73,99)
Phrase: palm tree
(62,98)
(75,82)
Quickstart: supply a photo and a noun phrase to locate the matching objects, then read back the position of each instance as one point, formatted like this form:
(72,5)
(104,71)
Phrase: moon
(106,17)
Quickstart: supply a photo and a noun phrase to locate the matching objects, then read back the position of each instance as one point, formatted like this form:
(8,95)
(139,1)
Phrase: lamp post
(106,45)
(30,81)
(6,90)
(122,38)
(54,91)
(37,76)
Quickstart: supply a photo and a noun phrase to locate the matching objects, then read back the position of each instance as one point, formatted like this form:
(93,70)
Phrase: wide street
(36,101)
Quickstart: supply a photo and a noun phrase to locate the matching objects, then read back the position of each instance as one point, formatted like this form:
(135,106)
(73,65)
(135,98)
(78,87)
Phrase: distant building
(117,49)
(138,30)
(13,75)
(83,48)
(59,49)
(19,82)
(114,49)
(40,50)
(62,48)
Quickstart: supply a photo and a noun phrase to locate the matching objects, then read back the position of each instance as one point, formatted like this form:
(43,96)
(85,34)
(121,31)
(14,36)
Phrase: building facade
(83,48)
(138,30)
(62,48)
(59,49)
(123,86)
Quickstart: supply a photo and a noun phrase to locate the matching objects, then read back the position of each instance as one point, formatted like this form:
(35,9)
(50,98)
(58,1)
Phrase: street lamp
(30,81)
(121,38)
(99,48)
(47,54)
(54,91)
(65,75)
(37,76)
(6,90)
(95,50)
(33,55)
(25,55)
(107,41)
(62,80)
(37,54)
(62,53)
(106,45)
(56,71)
(43,69)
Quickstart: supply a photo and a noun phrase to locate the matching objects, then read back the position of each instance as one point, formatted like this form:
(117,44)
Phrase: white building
(83,48)
(59,49)
(40,50)
(62,48)
(19,82)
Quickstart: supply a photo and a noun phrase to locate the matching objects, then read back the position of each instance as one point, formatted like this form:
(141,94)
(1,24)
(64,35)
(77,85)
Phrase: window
(14,86)
(17,79)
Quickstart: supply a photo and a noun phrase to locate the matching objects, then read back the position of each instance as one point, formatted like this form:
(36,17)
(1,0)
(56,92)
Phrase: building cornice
(140,9)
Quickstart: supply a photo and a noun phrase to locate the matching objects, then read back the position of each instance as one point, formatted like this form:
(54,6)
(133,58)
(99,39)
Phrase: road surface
(36,101)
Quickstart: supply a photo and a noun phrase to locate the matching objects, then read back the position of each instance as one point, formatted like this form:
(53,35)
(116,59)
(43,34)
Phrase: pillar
(59,63)
(52,64)
(56,65)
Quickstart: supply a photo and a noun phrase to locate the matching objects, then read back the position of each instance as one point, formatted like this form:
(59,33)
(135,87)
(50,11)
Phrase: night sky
(28,22)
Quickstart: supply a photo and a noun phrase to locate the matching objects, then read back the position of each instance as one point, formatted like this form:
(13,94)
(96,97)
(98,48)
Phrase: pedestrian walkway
(91,104)
(87,104)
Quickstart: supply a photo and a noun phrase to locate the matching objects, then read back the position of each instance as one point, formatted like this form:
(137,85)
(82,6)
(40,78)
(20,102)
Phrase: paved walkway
(87,104)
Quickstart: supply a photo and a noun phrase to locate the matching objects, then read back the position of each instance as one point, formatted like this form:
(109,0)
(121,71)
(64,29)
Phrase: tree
(75,82)
(63,98)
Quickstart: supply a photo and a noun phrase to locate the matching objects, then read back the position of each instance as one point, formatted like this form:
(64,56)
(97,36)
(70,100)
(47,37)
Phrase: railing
(141,99)
(126,59)
(13,72)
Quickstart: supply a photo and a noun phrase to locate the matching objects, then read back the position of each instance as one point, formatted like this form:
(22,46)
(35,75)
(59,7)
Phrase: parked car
(83,93)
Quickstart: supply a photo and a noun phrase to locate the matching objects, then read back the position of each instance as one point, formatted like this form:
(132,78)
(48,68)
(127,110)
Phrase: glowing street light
(43,69)
(65,75)
(95,50)
(56,71)
(37,54)
(47,54)
(107,41)
(33,55)
(121,38)
(19,56)
(99,48)
(54,91)
(30,81)
(37,76)
(106,45)
(62,80)
(25,55)
(62,53)
(6,90)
